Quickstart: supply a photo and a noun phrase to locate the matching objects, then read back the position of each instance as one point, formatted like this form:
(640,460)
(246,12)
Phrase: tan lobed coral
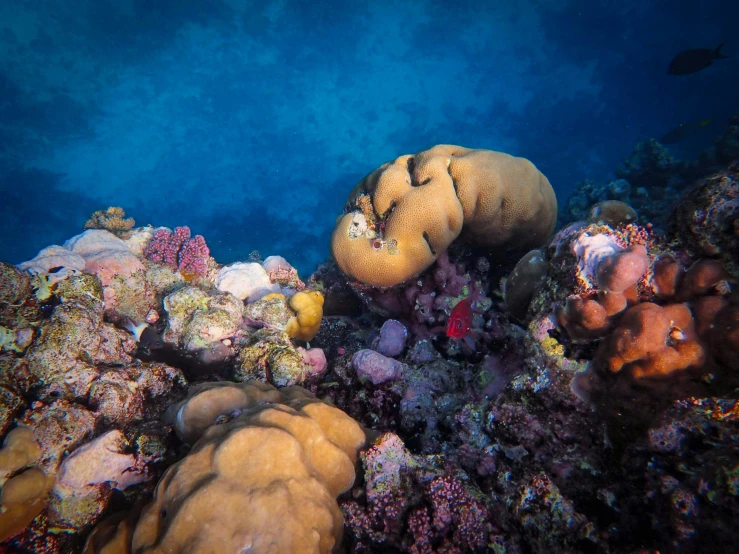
(23,496)
(423,202)
(265,481)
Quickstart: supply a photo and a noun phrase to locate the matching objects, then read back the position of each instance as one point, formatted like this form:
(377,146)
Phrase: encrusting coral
(423,202)
(114,220)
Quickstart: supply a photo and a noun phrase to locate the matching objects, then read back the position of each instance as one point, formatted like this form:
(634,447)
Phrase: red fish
(460,320)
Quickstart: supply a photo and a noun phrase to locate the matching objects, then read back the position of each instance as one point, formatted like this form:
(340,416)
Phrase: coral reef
(649,165)
(423,202)
(591,406)
(392,338)
(411,506)
(424,305)
(521,284)
(375,367)
(196,319)
(246,281)
(613,213)
(56,262)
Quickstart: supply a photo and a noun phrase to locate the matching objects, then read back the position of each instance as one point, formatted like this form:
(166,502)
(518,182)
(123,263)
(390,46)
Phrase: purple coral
(453,508)
(440,513)
(375,367)
(179,251)
(393,335)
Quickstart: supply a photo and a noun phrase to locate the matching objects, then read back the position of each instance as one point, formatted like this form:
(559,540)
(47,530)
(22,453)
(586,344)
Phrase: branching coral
(423,202)
(114,220)
(179,251)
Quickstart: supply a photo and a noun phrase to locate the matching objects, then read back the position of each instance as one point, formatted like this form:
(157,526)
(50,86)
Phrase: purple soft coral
(179,251)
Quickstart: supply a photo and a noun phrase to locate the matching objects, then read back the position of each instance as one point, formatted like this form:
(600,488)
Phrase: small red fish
(460,320)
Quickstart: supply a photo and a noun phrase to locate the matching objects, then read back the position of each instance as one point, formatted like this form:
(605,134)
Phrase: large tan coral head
(400,217)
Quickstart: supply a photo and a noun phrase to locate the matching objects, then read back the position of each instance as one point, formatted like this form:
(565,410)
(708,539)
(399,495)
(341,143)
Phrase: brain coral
(408,211)
(265,481)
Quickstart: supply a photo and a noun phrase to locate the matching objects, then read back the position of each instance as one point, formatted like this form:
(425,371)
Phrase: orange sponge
(652,341)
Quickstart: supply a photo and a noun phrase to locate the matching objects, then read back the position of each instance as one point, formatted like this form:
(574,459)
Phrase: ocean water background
(251,121)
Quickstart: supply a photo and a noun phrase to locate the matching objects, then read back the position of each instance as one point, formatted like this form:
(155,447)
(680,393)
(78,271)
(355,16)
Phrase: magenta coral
(193,256)
(179,251)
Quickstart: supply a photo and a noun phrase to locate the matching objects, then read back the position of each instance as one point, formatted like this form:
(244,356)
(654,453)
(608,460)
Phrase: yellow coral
(425,201)
(113,219)
(309,307)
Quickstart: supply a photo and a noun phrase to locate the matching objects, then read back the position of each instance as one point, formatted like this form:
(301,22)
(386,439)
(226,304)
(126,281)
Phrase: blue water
(251,121)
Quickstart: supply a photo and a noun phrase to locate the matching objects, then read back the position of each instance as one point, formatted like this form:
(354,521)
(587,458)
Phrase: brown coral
(114,220)
(264,482)
(613,213)
(425,201)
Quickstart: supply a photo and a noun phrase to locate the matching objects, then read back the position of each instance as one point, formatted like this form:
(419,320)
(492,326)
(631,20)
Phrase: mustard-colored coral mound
(263,482)
(423,202)
(309,307)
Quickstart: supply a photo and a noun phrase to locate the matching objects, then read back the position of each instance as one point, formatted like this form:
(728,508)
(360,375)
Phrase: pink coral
(177,250)
(423,305)
(193,257)
(315,359)
(454,509)
(619,271)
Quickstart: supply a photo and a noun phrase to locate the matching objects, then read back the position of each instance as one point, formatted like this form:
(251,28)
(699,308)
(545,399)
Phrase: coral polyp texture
(266,481)
(177,250)
(407,212)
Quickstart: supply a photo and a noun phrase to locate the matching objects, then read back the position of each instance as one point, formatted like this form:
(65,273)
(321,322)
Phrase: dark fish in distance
(692,61)
(684,131)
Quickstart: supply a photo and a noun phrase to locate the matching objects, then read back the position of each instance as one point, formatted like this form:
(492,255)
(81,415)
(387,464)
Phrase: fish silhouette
(684,131)
(692,61)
